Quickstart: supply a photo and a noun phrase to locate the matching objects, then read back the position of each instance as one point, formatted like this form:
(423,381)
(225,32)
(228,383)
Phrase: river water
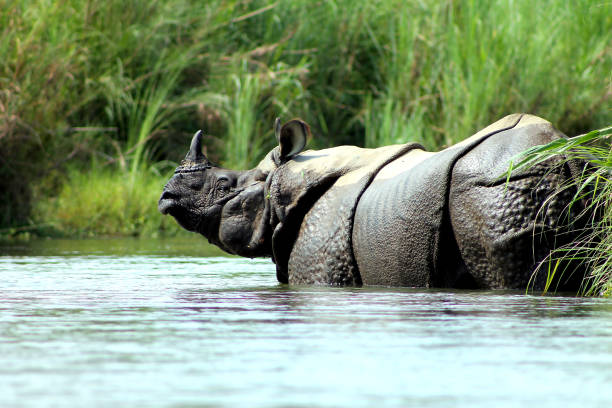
(153,323)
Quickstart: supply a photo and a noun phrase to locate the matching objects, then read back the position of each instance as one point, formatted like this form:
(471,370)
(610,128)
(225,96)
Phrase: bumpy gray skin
(393,216)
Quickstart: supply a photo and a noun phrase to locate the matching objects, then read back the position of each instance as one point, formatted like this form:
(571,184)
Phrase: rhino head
(226,206)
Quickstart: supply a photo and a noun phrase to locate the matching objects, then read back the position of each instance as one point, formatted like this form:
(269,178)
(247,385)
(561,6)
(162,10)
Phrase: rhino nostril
(167,195)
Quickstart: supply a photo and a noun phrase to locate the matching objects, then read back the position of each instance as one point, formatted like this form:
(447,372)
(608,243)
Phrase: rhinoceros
(392,216)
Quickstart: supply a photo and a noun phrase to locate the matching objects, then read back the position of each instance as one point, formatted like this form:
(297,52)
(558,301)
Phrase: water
(175,324)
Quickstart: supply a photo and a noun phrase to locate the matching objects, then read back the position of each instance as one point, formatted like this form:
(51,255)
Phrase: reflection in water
(150,324)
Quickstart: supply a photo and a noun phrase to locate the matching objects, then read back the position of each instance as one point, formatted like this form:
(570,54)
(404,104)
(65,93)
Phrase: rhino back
(402,235)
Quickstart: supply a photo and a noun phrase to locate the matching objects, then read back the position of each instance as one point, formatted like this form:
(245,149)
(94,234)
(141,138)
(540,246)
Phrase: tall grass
(247,111)
(119,87)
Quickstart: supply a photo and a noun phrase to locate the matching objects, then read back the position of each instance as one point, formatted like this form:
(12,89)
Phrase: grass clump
(107,203)
(592,249)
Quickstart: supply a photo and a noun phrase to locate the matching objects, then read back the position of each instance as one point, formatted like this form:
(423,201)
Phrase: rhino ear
(291,137)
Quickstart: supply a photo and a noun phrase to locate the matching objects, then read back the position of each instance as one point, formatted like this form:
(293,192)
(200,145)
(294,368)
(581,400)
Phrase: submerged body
(393,216)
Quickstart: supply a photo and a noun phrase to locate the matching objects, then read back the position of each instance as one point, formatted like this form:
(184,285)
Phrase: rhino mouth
(167,203)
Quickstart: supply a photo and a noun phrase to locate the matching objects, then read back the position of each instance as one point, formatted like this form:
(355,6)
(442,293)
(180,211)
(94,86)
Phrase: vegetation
(593,248)
(103,203)
(98,99)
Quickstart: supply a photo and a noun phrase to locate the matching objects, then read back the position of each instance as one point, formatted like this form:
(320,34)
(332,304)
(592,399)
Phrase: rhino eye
(223,186)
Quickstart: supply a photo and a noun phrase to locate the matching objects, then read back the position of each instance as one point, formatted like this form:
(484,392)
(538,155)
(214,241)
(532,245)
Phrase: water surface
(113,323)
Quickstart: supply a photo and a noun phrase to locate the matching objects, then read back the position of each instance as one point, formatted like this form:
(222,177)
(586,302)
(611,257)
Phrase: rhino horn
(195,154)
